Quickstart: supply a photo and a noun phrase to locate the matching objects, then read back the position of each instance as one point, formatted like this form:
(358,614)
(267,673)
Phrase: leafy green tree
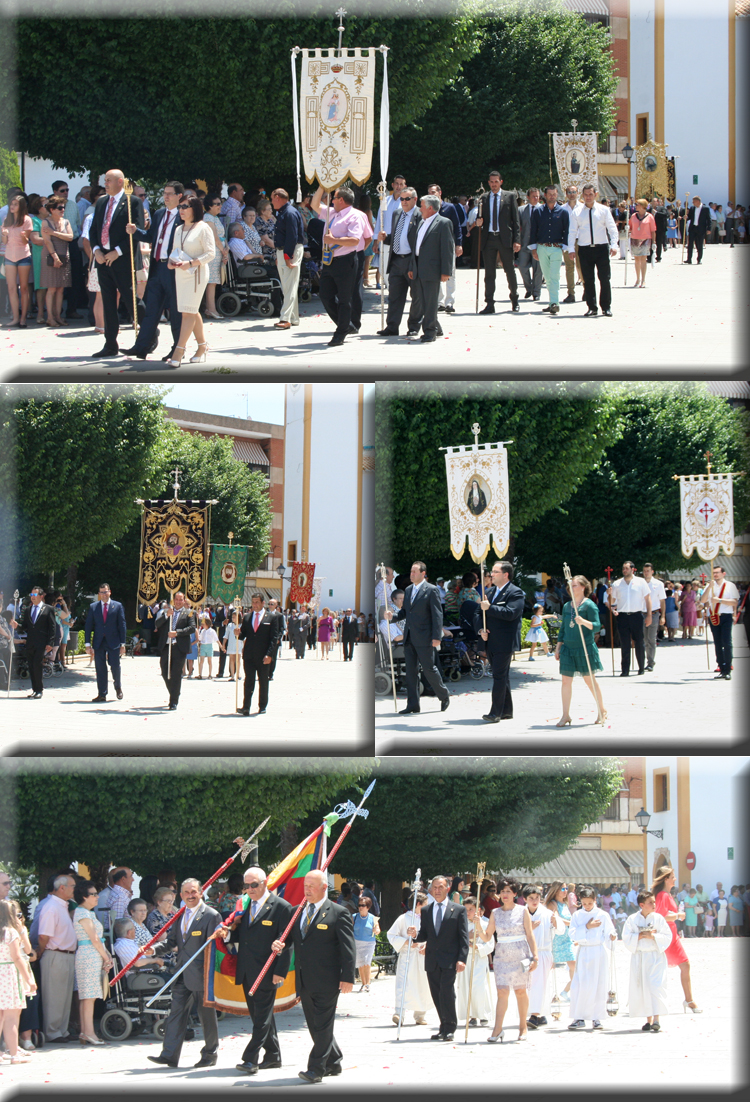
(559,432)
(150,812)
(227,113)
(628,506)
(533,73)
(508,811)
(9,173)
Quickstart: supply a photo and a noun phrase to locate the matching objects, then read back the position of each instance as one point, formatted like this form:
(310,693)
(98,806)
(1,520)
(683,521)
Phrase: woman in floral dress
(15,980)
(515,955)
(92,958)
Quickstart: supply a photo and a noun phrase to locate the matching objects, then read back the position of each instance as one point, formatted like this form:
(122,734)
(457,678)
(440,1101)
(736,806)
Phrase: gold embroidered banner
(478,499)
(575,156)
(174,549)
(651,173)
(707,514)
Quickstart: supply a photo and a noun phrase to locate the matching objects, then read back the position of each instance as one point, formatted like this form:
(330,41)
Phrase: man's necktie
(34,613)
(494,215)
(438,918)
(105,606)
(591,223)
(256,621)
(107,220)
(162,236)
(253,909)
(185,923)
(308,918)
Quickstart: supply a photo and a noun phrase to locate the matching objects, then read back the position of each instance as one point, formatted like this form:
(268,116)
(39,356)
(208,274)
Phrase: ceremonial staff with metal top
(128,189)
(12,643)
(382,569)
(236,609)
(569,580)
(342,810)
(480,877)
(415,888)
(478,200)
(608,572)
(242,852)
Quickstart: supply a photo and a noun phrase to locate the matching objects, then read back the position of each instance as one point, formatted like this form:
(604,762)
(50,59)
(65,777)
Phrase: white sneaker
(577,1024)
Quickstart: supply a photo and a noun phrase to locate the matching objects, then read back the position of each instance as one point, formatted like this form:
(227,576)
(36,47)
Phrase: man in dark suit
(432,262)
(263,921)
(503,608)
(531,271)
(324,956)
(174,628)
(38,623)
(160,292)
(447,296)
(500,237)
(105,621)
(194,929)
(699,223)
(110,244)
(349,634)
(259,631)
(423,631)
(400,242)
(275,611)
(444,929)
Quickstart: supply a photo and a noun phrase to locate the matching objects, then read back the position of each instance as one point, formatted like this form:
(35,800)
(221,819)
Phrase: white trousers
(289,278)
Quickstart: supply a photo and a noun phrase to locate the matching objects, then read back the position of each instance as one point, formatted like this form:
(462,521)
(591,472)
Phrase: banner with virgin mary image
(575,156)
(478,499)
(174,549)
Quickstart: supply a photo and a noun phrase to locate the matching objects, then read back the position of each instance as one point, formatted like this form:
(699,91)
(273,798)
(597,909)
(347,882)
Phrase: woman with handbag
(93,962)
(56,234)
(216,268)
(193,251)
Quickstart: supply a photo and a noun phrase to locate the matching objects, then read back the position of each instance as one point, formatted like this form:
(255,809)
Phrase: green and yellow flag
(228,569)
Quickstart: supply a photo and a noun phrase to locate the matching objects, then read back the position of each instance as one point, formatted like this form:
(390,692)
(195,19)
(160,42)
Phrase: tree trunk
(390,902)
(288,839)
(50,582)
(70,590)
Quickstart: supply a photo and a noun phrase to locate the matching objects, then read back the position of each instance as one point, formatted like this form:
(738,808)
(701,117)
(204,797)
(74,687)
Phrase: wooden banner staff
(703,583)
(12,642)
(478,198)
(237,607)
(480,877)
(684,227)
(608,572)
(569,579)
(128,189)
(382,568)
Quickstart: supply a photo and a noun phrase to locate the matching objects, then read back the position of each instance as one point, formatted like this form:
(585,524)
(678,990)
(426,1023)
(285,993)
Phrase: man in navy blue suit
(160,288)
(503,607)
(106,623)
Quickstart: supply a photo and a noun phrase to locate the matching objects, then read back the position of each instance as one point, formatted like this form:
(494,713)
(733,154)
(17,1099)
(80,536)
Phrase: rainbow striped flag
(221,989)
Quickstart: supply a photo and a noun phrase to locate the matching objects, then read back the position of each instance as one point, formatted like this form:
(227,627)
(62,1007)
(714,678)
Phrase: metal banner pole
(480,877)
(415,887)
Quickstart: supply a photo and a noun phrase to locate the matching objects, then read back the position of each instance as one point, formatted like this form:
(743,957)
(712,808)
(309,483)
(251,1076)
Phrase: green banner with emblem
(228,569)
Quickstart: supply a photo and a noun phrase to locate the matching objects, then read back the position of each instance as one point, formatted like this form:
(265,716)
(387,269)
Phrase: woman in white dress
(646,934)
(410,968)
(194,240)
(591,930)
(482,993)
(515,955)
(232,642)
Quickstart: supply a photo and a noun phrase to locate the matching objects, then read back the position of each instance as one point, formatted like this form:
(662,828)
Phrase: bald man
(110,246)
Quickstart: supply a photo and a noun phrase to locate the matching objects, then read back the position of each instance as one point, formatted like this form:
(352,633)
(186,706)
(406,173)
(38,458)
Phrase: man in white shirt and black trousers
(721,596)
(659,614)
(626,598)
(593,227)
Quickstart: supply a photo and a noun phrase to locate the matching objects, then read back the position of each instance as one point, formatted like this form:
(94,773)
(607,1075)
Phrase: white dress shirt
(164,231)
(187,919)
(714,589)
(390,213)
(258,904)
(658,594)
(117,199)
(697,214)
(583,218)
(630,596)
(401,247)
(426,223)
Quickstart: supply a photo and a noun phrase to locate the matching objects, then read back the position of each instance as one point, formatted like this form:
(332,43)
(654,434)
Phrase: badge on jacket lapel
(196,933)
(266,922)
(321,926)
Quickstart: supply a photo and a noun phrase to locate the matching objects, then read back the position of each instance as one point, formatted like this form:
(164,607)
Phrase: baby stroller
(249,285)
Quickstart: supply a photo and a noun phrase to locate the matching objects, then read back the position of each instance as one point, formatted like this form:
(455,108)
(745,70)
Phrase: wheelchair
(126,1014)
(249,285)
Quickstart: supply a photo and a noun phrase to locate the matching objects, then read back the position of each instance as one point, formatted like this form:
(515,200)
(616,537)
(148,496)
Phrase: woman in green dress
(569,650)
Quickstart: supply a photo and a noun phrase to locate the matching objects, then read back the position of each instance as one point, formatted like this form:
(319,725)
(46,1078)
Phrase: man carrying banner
(422,614)
(337,278)
(503,609)
(174,627)
(262,922)
(721,597)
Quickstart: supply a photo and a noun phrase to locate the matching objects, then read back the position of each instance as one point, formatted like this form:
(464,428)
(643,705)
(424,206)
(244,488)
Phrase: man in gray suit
(531,271)
(432,261)
(195,927)
(400,242)
(423,630)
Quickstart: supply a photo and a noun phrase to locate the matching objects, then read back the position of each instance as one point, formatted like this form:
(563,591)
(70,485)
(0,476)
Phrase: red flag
(301,589)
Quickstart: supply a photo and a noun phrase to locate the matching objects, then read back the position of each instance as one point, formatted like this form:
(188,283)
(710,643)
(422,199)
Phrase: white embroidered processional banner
(707,514)
(336,113)
(575,156)
(478,499)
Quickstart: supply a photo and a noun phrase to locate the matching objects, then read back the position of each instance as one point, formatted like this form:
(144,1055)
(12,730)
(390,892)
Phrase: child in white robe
(483,994)
(410,967)
(647,935)
(591,930)
(543,922)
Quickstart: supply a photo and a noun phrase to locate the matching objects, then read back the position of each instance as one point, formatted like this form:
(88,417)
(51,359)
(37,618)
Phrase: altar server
(483,996)
(410,967)
(647,936)
(543,923)
(591,930)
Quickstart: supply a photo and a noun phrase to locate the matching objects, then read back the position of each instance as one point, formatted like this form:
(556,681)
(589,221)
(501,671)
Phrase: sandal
(176,363)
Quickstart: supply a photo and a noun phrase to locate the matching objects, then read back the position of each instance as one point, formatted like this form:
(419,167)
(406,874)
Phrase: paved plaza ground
(679,702)
(693,1052)
(300,716)
(687,322)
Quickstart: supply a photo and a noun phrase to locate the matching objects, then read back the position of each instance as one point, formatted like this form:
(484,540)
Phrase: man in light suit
(109,240)
(174,627)
(259,632)
(699,224)
(503,608)
(500,237)
(105,621)
(432,262)
(400,244)
(422,614)
(445,930)
(531,271)
(324,956)
(263,921)
(161,293)
(193,929)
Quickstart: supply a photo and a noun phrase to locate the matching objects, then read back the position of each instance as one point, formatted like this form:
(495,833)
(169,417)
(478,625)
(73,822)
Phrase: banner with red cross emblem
(706,514)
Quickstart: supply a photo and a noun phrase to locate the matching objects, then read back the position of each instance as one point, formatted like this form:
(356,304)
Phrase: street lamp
(643,819)
(627,152)
(280,572)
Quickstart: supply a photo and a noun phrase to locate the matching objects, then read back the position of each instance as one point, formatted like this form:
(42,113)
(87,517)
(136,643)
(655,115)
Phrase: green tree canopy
(225,113)
(534,72)
(559,432)
(628,506)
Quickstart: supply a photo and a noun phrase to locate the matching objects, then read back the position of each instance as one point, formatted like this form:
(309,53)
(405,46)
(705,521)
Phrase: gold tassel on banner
(128,188)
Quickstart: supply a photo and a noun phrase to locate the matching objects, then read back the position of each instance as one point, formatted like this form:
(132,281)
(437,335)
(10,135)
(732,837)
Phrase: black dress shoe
(488,310)
(106,353)
(310,1077)
(448,1037)
(119,693)
(34,696)
(528,294)
(624,675)
(172,708)
(334,343)
(266,1064)
(99,700)
(248,1067)
(514,305)
(568,300)
(162,1060)
(441,309)
(134,354)
(606,313)
(641,671)
(444,704)
(591,313)
(491,719)
(333,1071)
(353,329)
(243,711)
(409,712)
(437,1037)
(206,1062)
(412,332)
(547,309)
(554,308)
(450,309)
(261,711)
(387,332)
(426,340)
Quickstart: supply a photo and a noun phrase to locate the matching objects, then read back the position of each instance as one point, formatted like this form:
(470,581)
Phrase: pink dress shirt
(347,223)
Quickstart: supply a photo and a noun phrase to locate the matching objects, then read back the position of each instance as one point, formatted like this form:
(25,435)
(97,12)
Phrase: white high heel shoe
(500,1037)
(687,1006)
(200,358)
(176,363)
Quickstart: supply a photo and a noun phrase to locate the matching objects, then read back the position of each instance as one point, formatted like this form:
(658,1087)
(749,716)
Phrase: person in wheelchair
(126,947)
(393,628)
(239,247)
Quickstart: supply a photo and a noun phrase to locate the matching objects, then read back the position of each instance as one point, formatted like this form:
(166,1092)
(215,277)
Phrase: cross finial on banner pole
(475,430)
(341,12)
(176,484)
(575,124)
(708,462)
